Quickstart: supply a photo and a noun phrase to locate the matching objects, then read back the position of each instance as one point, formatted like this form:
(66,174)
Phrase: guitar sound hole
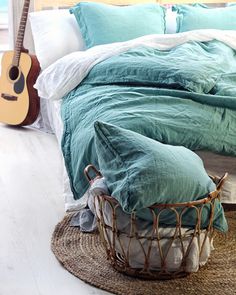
(14,73)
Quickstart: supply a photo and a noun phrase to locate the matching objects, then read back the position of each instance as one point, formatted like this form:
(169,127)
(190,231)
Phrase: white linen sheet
(65,74)
(50,121)
(44,121)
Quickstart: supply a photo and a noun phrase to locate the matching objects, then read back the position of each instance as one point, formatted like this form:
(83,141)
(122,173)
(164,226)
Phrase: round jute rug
(83,256)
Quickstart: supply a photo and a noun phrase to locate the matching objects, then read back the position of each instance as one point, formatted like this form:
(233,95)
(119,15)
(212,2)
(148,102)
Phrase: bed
(100,79)
(50,121)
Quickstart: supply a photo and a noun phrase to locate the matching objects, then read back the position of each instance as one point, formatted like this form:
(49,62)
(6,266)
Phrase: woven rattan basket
(152,245)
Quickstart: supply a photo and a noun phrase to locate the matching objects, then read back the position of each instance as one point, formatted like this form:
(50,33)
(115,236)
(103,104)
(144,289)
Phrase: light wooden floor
(31,205)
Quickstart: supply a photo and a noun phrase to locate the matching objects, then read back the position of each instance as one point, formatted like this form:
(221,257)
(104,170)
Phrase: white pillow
(171,24)
(56,34)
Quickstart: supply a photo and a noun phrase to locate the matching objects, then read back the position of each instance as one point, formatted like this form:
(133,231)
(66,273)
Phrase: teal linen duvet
(184,96)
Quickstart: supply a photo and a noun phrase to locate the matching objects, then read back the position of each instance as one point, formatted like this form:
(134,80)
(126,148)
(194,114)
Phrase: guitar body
(19,101)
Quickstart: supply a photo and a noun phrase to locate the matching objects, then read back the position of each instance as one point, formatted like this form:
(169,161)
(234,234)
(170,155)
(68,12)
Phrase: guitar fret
(21,32)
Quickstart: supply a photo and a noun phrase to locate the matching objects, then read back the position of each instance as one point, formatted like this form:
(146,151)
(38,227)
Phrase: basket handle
(95,171)
(221,181)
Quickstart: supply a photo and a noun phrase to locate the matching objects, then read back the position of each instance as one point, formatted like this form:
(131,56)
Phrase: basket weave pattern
(154,245)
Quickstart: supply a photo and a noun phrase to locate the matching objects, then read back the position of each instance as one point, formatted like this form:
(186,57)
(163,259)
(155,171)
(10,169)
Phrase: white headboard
(42,4)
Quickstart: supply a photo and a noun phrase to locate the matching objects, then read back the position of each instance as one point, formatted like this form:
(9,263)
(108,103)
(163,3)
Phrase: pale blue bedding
(185,96)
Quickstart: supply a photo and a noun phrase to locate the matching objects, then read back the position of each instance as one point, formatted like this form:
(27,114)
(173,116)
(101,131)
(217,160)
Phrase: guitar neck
(21,33)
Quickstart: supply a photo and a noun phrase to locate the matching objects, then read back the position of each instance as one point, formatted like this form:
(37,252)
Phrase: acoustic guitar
(19,101)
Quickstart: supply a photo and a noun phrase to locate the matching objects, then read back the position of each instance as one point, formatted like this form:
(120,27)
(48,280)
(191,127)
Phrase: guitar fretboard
(21,33)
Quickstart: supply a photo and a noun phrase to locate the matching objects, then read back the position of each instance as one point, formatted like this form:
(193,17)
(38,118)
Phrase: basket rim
(211,196)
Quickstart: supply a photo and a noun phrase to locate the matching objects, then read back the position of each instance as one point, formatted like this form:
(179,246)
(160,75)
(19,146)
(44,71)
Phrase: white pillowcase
(171,24)
(56,34)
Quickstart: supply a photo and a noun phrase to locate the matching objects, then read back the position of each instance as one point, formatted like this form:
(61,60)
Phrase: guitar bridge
(9,97)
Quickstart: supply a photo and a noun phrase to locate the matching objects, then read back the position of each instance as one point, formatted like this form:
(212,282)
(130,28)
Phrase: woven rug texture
(83,255)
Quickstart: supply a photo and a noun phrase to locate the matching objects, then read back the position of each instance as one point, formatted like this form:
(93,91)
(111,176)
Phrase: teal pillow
(141,172)
(203,17)
(102,24)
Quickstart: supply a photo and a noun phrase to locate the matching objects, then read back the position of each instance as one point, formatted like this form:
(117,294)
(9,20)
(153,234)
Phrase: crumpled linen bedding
(166,113)
(197,121)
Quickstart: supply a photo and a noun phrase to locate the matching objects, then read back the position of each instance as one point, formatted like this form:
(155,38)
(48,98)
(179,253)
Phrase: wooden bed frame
(46,4)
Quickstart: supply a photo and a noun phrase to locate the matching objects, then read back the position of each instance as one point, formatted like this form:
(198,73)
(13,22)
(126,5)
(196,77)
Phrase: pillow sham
(171,25)
(203,17)
(140,171)
(56,34)
(103,24)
